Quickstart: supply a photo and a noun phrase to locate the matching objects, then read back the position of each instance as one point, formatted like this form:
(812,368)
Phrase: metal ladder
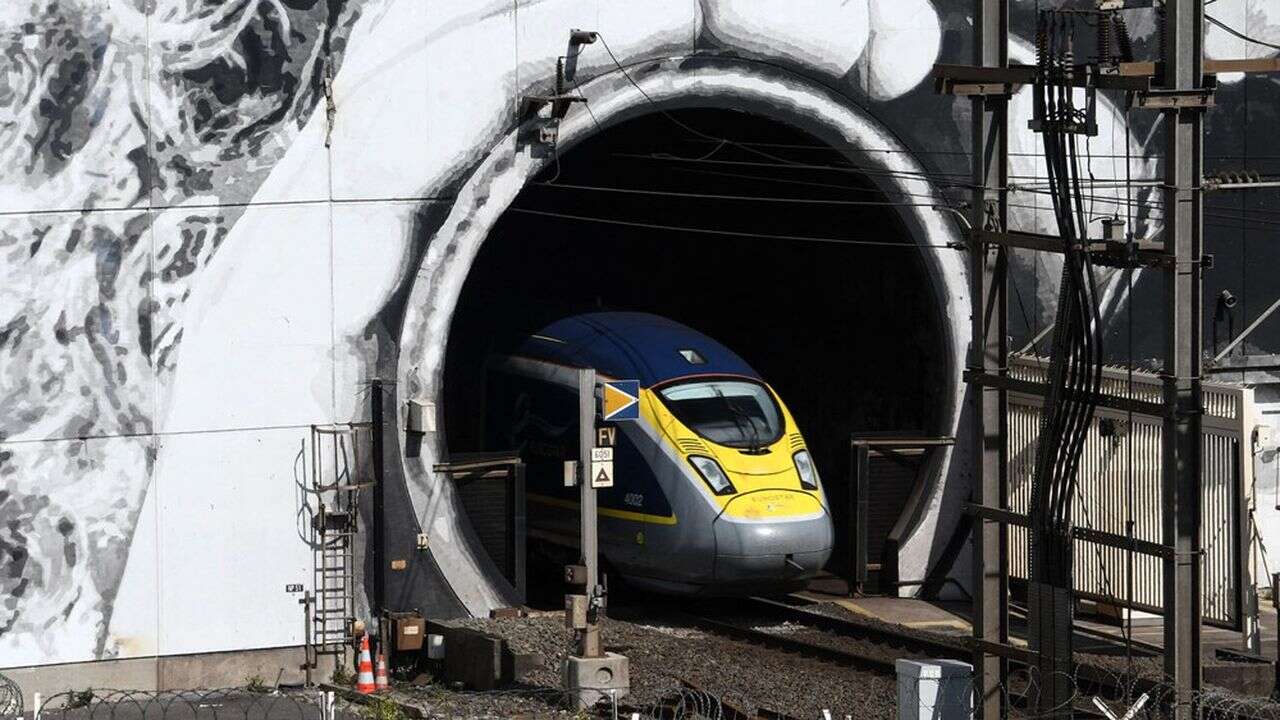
(335,522)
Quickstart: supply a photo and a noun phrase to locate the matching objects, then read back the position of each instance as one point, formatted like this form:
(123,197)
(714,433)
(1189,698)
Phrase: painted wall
(212,213)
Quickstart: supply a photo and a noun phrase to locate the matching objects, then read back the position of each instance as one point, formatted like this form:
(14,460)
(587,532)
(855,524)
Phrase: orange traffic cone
(381,677)
(364,679)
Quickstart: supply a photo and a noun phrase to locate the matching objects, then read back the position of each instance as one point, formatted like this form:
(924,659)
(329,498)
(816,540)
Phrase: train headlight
(808,473)
(712,474)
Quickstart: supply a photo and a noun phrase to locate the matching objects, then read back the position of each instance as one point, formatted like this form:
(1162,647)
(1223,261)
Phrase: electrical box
(420,417)
(410,632)
(570,473)
(1113,229)
(575,575)
(435,647)
(1264,437)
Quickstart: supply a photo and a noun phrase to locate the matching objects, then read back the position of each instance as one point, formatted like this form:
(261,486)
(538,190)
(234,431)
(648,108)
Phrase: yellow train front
(715,492)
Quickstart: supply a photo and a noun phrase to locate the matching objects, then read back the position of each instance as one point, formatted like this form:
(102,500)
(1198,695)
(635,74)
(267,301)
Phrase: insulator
(1104,38)
(1042,43)
(1123,39)
(1069,59)
(1162,20)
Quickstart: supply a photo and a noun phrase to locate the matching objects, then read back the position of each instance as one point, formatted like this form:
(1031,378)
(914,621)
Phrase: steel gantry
(1176,86)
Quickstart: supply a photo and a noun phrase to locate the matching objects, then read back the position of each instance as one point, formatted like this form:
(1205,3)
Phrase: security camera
(1227,299)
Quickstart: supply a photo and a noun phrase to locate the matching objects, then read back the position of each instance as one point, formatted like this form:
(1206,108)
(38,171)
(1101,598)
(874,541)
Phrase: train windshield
(734,413)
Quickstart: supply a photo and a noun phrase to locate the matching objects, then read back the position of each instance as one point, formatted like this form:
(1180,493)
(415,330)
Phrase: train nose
(770,549)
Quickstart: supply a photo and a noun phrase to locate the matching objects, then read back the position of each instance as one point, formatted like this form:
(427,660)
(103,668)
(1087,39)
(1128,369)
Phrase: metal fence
(1093,688)
(10,698)
(253,703)
(1119,483)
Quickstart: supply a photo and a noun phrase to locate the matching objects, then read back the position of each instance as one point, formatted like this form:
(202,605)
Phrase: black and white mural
(220,218)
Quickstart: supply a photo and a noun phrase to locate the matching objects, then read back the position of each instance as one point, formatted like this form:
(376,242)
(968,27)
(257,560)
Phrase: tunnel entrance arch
(673,84)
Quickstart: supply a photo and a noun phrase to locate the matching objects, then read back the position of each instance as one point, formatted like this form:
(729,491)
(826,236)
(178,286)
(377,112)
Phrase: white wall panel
(229,543)
(411,115)
(72,505)
(257,345)
(75,313)
(372,244)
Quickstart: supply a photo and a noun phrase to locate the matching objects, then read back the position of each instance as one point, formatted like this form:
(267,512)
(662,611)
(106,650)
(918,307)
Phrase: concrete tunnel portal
(836,284)
(841,330)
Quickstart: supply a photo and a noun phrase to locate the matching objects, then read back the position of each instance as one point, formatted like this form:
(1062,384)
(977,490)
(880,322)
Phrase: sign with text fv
(621,400)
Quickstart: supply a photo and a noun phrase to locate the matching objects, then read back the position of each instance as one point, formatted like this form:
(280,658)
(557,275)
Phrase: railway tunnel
(765,212)
(766,242)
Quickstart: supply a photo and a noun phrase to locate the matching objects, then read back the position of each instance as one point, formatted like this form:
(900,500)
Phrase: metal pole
(379,498)
(307,653)
(590,642)
(858,519)
(988,353)
(1275,604)
(1181,462)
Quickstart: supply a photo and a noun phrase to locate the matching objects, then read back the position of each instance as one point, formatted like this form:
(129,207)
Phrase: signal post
(591,674)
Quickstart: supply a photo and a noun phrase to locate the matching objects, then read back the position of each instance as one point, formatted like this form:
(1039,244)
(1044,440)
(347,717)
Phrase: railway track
(843,642)
(874,648)
(825,638)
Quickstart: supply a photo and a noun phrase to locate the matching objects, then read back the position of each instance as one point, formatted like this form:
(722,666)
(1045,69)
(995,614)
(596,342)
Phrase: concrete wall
(211,216)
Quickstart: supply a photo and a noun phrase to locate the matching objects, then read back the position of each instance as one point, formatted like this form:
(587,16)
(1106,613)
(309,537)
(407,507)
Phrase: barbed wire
(1119,691)
(10,698)
(677,702)
(1019,694)
(245,703)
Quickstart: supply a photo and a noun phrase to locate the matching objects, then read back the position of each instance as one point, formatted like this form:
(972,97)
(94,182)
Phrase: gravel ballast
(665,653)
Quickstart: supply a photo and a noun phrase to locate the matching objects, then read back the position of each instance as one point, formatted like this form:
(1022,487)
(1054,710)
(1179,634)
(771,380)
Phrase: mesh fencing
(1098,692)
(1101,692)
(10,698)
(219,704)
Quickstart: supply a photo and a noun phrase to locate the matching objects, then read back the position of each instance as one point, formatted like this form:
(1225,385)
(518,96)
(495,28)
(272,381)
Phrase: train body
(715,492)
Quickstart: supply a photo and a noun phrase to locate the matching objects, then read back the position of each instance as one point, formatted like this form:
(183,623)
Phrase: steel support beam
(1183,136)
(988,355)
(861,459)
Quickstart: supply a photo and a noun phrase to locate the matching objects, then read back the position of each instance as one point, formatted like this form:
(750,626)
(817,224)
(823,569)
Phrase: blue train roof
(647,347)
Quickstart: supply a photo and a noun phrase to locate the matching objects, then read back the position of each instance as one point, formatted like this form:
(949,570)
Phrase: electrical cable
(716,196)
(1118,201)
(1239,34)
(807,183)
(959,153)
(705,136)
(1075,369)
(729,233)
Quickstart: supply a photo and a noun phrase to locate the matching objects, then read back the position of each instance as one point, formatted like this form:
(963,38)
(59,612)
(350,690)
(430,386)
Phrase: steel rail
(1090,679)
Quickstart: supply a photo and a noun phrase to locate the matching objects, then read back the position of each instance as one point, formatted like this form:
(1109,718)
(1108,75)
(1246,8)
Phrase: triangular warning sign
(602,478)
(615,400)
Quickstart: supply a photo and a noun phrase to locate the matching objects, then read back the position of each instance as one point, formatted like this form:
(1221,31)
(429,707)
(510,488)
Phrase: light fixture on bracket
(561,100)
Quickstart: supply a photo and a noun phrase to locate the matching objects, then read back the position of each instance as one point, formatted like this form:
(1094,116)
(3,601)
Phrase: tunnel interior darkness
(848,334)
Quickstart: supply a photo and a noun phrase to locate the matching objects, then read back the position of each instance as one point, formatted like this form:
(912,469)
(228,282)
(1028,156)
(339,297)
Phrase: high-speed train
(715,492)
